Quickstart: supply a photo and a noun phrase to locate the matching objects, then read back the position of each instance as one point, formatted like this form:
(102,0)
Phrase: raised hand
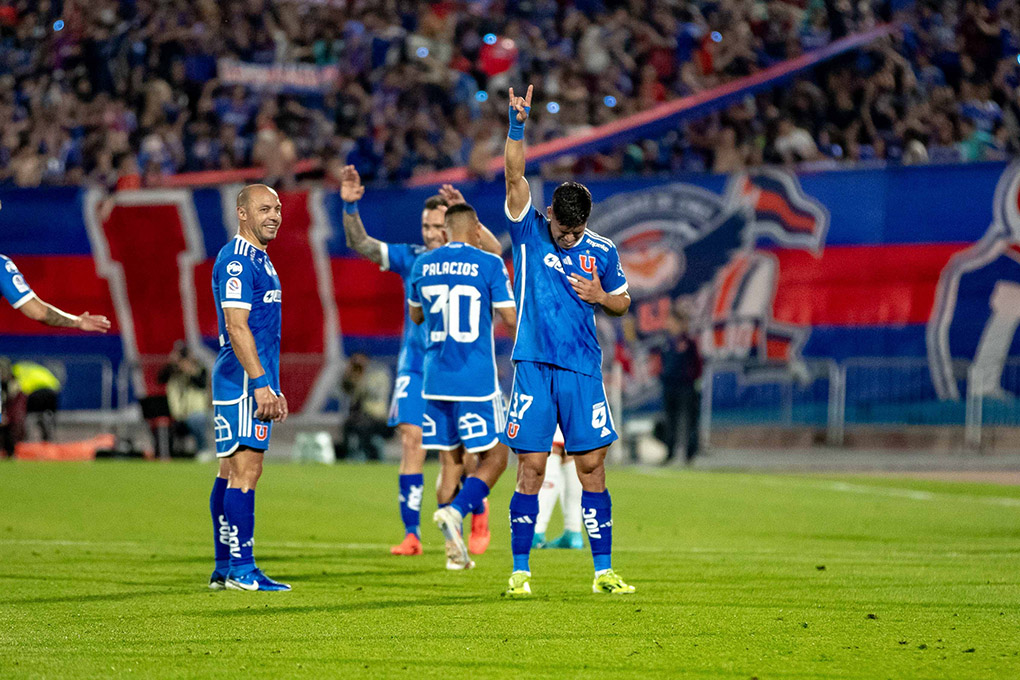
(351,189)
(521,104)
(451,195)
(94,323)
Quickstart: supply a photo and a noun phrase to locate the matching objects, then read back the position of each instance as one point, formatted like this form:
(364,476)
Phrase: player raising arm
(246,385)
(407,406)
(455,291)
(563,272)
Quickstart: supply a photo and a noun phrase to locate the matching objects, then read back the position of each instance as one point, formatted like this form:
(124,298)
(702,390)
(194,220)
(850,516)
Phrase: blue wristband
(259,382)
(516,129)
(351,208)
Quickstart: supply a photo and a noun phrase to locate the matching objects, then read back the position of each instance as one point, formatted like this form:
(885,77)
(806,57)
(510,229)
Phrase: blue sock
(471,495)
(411,489)
(221,530)
(597,513)
(240,508)
(523,514)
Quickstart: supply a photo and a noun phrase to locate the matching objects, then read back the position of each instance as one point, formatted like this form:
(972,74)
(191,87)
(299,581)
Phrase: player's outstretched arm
(270,406)
(518,193)
(46,313)
(358,240)
(490,243)
(591,291)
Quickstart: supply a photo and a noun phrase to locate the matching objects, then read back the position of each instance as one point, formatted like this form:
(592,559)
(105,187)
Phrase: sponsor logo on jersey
(551,260)
(234,268)
(261,432)
(272,296)
(19,283)
(10,266)
(233,289)
(270,269)
(988,270)
(684,243)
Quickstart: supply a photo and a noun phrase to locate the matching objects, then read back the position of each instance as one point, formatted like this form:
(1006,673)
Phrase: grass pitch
(103,570)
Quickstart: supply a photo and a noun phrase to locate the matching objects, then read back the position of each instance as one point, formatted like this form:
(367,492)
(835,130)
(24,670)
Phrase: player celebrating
(407,407)
(562,272)
(246,385)
(454,290)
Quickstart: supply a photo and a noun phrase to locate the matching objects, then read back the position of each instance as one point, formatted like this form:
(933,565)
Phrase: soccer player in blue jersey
(406,412)
(455,290)
(562,273)
(246,385)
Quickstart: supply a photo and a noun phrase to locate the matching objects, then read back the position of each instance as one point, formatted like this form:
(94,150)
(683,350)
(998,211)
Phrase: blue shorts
(407,405)
(236,425)
(475,424)
(544,396)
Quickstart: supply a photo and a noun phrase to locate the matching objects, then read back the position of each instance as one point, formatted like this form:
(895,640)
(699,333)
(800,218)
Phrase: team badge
(512,429)
(261,432)
(683,243)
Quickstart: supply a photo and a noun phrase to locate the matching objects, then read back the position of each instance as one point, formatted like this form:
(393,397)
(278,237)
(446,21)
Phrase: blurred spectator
(681,388)
(126,93)
(42,395)
(187,394)
(366,384)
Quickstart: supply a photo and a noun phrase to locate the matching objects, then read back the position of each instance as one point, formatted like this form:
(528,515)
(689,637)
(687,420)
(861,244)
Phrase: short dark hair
(460,209)
(571,204)
(433,202)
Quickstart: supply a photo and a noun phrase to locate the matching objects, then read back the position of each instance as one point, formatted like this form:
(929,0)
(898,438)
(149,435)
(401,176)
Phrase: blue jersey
(244,278)
(13,285)
(458,286)
(554,325)
(400,258)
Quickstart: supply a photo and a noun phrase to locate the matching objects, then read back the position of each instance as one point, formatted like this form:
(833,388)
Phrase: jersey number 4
(446,301)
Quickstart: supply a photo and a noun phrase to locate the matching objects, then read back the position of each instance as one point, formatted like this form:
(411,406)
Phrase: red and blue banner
(777,268)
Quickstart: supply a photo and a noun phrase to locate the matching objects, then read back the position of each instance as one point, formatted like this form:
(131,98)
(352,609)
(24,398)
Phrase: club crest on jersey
(682,242)
(512,429)
(988,271)
(588,263)
(261,432)
(234,268)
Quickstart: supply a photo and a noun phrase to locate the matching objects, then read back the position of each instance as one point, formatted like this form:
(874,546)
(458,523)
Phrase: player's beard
(266,233)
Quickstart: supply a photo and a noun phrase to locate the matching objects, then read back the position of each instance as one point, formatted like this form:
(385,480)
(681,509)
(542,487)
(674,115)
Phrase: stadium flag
(664,117)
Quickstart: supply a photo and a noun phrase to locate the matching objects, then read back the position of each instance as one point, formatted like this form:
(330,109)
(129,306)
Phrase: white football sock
(570,496)
(548,494)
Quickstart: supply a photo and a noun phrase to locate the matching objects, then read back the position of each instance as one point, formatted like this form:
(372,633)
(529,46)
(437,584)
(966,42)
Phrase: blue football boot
(253,580)
(571,540)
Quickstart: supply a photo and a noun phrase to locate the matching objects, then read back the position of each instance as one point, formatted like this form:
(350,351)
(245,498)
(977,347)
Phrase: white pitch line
(893,492)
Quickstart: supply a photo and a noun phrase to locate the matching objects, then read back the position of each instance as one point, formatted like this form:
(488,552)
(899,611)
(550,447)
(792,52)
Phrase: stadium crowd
(123,93)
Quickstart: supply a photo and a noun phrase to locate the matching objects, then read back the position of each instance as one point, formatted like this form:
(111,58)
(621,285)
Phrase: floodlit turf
(103,570)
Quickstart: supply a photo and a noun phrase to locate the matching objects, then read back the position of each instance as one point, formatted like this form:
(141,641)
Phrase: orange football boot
(480,537)
(411,545)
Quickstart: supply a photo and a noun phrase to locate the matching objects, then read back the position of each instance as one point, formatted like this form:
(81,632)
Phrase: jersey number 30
(447,302)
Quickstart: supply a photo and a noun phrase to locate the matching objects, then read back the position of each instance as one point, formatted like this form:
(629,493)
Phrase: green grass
(103,570)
